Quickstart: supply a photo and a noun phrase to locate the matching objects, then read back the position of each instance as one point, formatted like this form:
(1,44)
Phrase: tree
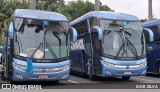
(143,20)
(7,8)
(75,9)
(51,5)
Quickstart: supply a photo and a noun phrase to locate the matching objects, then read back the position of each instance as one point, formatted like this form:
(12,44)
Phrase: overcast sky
(135,7)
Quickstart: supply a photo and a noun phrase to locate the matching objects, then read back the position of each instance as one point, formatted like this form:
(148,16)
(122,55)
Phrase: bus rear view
(111,45)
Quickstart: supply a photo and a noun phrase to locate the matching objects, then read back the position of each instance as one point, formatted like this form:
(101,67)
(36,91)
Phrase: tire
(92,77)
(158,68)
(56,81)
(3,77)
(126,78)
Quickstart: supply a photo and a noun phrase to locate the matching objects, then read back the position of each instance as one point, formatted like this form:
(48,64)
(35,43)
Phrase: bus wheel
(126,78)
(158,70)
(92,76)
(56,81)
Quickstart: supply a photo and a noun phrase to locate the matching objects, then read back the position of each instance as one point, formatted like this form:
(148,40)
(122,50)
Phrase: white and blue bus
(109,44)
(37,47)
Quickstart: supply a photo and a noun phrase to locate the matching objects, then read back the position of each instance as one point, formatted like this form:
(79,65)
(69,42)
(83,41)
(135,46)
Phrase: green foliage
(75,9)
(51,5)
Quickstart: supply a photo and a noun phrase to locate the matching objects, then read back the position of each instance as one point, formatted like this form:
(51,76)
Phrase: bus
(37,46)
(109,44)
(153,55)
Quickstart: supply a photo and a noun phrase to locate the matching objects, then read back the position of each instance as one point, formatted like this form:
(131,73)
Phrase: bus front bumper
(19,75)
(42,72)
(113,72)
(121,68)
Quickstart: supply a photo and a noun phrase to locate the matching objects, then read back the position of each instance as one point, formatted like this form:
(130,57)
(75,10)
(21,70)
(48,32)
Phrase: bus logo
(43,70)
(127,67)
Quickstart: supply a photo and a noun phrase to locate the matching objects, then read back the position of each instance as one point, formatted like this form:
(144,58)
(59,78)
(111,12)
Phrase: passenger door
(87,53)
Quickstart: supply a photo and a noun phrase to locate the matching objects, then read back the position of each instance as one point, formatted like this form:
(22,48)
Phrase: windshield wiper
(41,44)
(131,46)
(36,49)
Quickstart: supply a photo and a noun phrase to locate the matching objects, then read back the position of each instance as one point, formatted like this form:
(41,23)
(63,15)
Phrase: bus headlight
(64,67)
(17,66)
(142,62)
(108,64)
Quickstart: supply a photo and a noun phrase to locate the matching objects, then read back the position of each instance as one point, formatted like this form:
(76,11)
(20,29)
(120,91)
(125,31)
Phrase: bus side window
(81,27)
(146,37)
(93,22)
(155,32)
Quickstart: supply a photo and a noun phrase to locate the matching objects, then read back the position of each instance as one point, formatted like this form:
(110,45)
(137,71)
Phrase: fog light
(19,75)
(65,75)
(143,72)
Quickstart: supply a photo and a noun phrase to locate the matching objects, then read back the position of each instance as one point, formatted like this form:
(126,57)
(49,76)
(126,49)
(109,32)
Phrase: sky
(138,8)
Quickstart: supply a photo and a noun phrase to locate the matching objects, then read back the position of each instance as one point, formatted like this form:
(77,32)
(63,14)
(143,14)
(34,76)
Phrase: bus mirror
(74,34)
(99,30)
(151,35)
(11,29)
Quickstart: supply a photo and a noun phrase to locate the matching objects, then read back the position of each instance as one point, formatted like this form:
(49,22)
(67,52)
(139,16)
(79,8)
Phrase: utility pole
(97,5)
(33,4)
(150,14)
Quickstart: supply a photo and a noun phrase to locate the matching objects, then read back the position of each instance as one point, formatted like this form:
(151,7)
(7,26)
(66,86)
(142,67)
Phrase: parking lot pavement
(79,82)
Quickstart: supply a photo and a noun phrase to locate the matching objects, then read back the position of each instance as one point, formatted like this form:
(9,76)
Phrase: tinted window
(155,32)
(81,27)
(93,22)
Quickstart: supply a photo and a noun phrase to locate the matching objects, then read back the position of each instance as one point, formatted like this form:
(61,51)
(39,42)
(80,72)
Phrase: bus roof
(106,15)
(39,14)
(152,22)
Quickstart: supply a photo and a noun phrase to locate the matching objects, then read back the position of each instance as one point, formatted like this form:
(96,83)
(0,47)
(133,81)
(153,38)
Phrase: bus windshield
(40,39)
(122,39)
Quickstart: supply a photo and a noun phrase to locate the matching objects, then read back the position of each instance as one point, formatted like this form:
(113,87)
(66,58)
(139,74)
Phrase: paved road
(79,82)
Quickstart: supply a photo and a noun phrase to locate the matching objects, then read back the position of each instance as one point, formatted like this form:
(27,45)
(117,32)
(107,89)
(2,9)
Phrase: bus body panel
(15,69)
(47,69)
(88,60)
(153,55)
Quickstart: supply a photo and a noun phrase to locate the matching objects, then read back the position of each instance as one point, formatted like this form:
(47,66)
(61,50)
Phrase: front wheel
(56,81)
(126,78)
(91,75)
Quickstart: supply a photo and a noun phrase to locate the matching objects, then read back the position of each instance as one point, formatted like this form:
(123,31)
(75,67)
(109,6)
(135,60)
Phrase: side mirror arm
(74,34)
(151,35)
(99,30)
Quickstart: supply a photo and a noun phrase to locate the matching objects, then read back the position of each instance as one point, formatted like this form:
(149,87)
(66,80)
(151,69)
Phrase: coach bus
(153,51)
(37,47)
(109,44)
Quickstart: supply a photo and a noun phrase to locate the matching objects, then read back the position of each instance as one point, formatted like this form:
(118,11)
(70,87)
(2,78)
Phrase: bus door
(96,53)
(87,54)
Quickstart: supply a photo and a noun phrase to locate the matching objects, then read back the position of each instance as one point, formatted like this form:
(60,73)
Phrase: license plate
(43,77)
(127,73)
